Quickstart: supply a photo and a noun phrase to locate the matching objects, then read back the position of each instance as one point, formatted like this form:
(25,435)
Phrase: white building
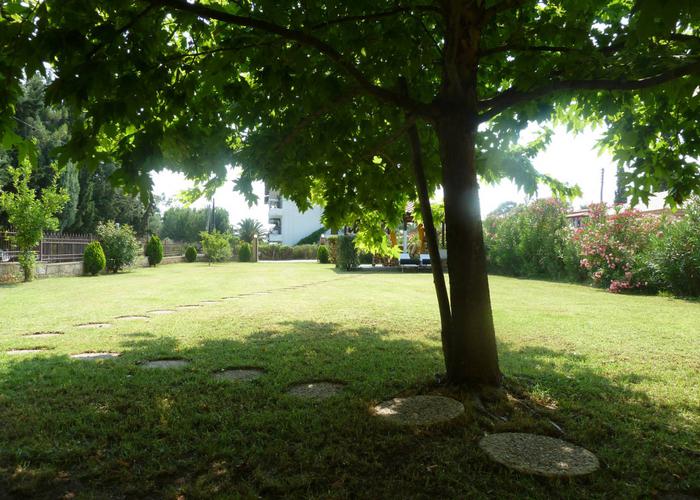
(287,225)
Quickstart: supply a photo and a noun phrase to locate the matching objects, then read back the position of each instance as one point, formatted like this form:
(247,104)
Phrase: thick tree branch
(502,6)
(511,97)
(524,48)
(307,40)
(376,15)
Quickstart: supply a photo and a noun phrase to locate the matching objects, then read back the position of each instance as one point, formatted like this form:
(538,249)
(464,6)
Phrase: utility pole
(602,181)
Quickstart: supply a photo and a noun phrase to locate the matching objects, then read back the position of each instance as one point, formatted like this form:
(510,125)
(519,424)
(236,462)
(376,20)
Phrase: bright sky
(570,158)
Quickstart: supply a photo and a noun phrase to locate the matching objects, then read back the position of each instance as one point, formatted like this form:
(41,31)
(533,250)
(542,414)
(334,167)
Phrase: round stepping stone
(166,363)
(14,352)
(210,302)
(42,334)
(315,390)
(540,455)
(239,374)
(132,317)
(95,325)
(419,410)
(189,306)
(161,312)
(95,355)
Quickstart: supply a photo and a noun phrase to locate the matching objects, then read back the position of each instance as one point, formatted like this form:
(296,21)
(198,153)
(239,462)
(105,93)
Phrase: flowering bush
(610,247)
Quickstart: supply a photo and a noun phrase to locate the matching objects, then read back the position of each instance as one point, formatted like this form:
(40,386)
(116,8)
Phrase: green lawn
(619,374)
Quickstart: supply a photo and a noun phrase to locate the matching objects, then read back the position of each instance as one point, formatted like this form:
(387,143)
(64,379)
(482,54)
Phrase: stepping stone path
(135,317)
(239,374)
(315,390)
(166,363)
(189,306)
(95,325)
(419,410)
(42,334)
(89,356)
(161,312)
(540,455)
(15,352)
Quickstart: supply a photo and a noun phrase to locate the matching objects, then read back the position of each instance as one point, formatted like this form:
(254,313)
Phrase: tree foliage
(91,196)
(216,246)
(315,98)
(186,223)
(248,229)
(30,215)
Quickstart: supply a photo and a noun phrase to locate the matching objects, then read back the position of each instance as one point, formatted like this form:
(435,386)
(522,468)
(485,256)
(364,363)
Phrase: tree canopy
(319,99)
(91,196)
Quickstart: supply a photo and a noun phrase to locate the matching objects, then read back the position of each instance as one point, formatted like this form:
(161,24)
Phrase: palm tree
(248,228)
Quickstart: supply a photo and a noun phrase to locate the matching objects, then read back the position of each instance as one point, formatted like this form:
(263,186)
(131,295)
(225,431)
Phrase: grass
(618,374)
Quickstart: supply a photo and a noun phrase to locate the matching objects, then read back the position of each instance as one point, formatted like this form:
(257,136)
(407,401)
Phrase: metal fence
(54,247)
(173,248)
(63,247)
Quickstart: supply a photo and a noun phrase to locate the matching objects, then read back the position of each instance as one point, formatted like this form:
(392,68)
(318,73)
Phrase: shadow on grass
(111,429)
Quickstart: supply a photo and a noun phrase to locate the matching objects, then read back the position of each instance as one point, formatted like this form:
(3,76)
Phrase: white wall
(295,224)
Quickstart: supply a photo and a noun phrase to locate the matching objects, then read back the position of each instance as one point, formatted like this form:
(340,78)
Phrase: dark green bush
(154,251)
(244,252)
(312,239)
(532,241)
(347,255)
(119,244)
(323,256)
(191,253)
(94,260)
(675,258)
(366,258)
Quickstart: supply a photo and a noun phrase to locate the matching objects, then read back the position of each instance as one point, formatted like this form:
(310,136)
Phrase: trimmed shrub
(347,255)
(215,246)
(191,253)
(119,244)
(332,244)
(154,251)
(94,260)
(322,254)
(269,251)
(244,252)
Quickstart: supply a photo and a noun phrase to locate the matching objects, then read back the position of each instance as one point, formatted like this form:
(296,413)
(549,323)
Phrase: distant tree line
(92,197)
(186,224)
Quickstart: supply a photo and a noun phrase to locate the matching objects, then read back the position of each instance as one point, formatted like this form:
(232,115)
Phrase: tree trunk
(431,236)
(471,355)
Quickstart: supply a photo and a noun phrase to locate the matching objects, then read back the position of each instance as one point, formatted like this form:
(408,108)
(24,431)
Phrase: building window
(276,226)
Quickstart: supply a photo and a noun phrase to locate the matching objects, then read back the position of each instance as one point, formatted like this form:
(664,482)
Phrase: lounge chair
(405,261)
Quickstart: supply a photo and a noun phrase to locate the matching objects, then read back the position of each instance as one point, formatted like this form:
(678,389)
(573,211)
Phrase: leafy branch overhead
(225,75)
